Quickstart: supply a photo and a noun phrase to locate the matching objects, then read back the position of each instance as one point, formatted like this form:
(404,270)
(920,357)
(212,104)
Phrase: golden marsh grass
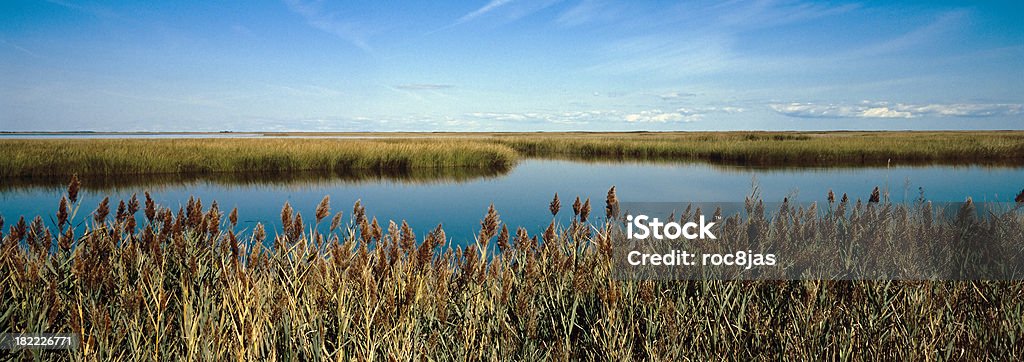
(64,157)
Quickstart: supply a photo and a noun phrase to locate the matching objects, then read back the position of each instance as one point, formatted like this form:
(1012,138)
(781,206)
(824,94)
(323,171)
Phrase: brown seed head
(408,238)
(375,228)
(100,215)
(576,205)
(555,205)
(831,196)
(133,205)
(336,221)
(19,230)
(611,204)
(233,242)
(323,209)
(259,234)
(73,187)
(62,213)
(122,212)
(296,229)
(359,212)
(550,234)
(585,211)
(875,196)
(441,237)
(503,239)
(64,242)
(150,208)
(522,239)
(489,226)
(213,219)
(1019,199)
(233,217)
(286,216)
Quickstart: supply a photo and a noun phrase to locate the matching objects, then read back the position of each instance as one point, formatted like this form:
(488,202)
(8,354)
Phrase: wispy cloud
(563,118)
(898,110)
(350,31)
(20,48)
(509,10)
(586,11)
(423,86)
(748,15)
(91,10)
(699,39)
(491,6)
(606,117)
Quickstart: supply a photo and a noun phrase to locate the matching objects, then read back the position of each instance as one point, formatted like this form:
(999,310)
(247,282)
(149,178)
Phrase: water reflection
(458,199)
(775,165)
(294,179)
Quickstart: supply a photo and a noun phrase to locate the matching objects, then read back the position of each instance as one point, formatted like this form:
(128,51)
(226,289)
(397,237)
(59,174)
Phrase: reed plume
(323,209)
(585,211)
(555,205)
(62,213)
(611,205)
(73,187)
(488,226)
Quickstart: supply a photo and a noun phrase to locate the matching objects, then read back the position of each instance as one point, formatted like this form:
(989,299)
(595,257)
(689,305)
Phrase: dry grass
(402,152)
(35,158)
(186,284)
(781,148)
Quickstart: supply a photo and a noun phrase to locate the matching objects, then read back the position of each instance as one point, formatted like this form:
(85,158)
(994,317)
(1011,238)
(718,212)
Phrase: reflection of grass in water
(184,285)
(746,168)
(297,179)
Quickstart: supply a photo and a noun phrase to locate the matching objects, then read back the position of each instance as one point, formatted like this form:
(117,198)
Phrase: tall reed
(186,284)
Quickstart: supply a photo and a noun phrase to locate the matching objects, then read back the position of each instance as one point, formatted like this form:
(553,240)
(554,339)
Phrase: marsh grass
(780,148)
(25,158)
(396,153)
(186,284)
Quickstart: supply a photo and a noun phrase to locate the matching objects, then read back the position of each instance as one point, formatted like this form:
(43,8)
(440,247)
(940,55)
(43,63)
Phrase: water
(521,196)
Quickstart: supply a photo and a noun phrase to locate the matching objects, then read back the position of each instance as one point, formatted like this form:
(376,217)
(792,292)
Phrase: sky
(509,65)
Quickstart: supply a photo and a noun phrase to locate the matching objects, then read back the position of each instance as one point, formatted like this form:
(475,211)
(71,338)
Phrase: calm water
(522,195)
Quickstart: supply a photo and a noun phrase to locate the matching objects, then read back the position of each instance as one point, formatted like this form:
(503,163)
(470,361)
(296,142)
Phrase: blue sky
(515,65)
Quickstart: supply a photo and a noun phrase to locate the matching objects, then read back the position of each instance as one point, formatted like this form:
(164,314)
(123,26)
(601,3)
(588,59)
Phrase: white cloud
(564,118)
(587,11)
(899,110)
(491,6)
(670,96)
(658,116)
(349,31)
